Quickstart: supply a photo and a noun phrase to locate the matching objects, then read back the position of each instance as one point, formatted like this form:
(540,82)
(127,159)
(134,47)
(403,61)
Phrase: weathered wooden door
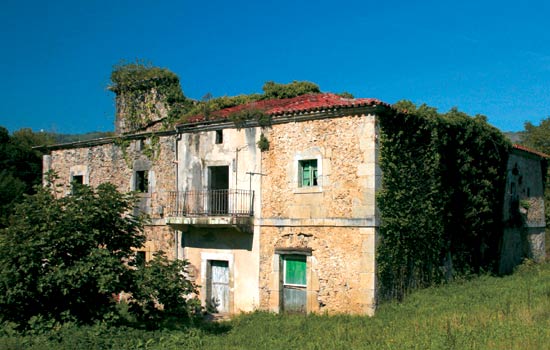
(294,283)
(218,285)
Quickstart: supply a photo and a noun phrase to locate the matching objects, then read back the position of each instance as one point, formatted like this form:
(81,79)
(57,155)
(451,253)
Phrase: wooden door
(294,283)
(218,286)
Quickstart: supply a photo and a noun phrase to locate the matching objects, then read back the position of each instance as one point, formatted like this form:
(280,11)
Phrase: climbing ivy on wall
(441,198)
(134,83)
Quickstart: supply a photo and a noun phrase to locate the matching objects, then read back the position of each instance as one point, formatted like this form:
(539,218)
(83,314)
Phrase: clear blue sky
(485,57)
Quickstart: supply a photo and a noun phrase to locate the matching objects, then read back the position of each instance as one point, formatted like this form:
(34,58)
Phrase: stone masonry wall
(524,213)
(336,220)
(342,273)
(115,163)
(348,175)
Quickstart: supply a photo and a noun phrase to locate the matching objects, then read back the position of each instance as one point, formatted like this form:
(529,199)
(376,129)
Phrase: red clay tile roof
(532,151)
(303,103)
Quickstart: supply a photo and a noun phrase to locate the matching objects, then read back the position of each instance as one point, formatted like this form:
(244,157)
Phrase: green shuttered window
(308,173)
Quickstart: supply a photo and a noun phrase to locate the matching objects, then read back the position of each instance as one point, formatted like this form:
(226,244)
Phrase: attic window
(141,181)
(219,136)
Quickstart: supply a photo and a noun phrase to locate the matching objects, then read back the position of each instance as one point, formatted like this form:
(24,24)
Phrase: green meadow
(485,312)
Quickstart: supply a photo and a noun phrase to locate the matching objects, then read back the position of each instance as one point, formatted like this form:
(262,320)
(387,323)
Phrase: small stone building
(524,213)
(276,213)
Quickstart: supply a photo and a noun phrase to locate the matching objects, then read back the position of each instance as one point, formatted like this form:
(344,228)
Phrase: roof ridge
(298,104)
(530,150)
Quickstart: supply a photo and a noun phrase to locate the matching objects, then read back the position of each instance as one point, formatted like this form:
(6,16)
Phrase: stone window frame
(141,165)
(78,171)
(313,153)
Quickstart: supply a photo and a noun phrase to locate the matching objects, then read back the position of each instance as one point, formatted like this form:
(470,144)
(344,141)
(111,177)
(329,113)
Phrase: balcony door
(218,186)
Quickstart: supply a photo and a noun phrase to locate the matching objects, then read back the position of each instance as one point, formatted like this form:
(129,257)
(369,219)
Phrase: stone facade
(523,214)
(293,227)
(226,237)
(117,162)
(335,221)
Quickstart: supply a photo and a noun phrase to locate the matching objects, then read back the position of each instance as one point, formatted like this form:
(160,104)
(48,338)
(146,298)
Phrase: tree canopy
(20,167)
(67,258)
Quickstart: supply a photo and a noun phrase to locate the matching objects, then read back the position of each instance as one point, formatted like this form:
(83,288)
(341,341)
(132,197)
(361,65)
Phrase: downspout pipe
(177,138)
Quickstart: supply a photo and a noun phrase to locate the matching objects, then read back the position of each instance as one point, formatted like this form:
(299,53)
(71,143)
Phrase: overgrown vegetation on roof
(271,90)
(134,81)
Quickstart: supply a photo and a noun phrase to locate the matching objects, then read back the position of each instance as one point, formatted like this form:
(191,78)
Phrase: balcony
(208,208)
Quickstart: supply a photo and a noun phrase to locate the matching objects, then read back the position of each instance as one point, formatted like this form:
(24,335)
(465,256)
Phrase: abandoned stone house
(293,227)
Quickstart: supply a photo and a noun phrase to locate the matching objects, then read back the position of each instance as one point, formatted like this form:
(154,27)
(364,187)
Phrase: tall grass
(486,312)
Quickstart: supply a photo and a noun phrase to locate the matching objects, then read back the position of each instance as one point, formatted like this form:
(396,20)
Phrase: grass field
(486,312)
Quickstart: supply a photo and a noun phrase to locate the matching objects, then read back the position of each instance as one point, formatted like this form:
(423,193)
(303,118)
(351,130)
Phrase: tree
(296,88)
(20,167)
(65,258)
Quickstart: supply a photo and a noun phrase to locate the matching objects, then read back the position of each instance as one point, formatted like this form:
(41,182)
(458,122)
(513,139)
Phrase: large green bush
(66,258)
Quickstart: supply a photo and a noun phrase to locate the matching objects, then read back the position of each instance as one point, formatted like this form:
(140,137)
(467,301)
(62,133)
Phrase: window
(141,181)
(294,270)
(219,136)
(307,176)
(140,258)
(76,181)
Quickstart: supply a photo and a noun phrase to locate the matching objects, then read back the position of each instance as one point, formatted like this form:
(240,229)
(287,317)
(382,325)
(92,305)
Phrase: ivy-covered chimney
(147,97)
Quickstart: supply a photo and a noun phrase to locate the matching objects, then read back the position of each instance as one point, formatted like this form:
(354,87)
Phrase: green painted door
(294,283)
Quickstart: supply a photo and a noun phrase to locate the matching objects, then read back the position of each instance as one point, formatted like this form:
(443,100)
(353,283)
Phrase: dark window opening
(140,258)
(307,176)
(219,136)
(78,179)
(142,181)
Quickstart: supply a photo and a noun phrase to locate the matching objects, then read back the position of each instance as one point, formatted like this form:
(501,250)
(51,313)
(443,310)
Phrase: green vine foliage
(152,149)
(242,117)
(441,198)
(263,143)
(271,90)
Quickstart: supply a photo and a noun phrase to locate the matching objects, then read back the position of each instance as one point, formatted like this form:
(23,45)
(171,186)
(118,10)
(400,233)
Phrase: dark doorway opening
(219,189)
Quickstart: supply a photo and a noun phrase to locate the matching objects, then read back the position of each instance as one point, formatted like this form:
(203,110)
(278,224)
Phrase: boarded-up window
(307,173)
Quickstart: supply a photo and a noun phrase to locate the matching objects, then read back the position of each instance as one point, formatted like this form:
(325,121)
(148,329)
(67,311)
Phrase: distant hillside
(67,138)
(513,136)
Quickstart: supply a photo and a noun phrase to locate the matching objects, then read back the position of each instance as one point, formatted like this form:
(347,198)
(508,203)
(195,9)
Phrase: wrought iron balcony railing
(210,203)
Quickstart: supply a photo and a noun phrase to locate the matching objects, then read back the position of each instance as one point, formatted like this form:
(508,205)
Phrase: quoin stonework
(290,227)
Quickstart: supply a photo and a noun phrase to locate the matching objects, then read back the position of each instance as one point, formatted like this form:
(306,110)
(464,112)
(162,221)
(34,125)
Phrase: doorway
(294,283)
(218,186)
(217,286)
